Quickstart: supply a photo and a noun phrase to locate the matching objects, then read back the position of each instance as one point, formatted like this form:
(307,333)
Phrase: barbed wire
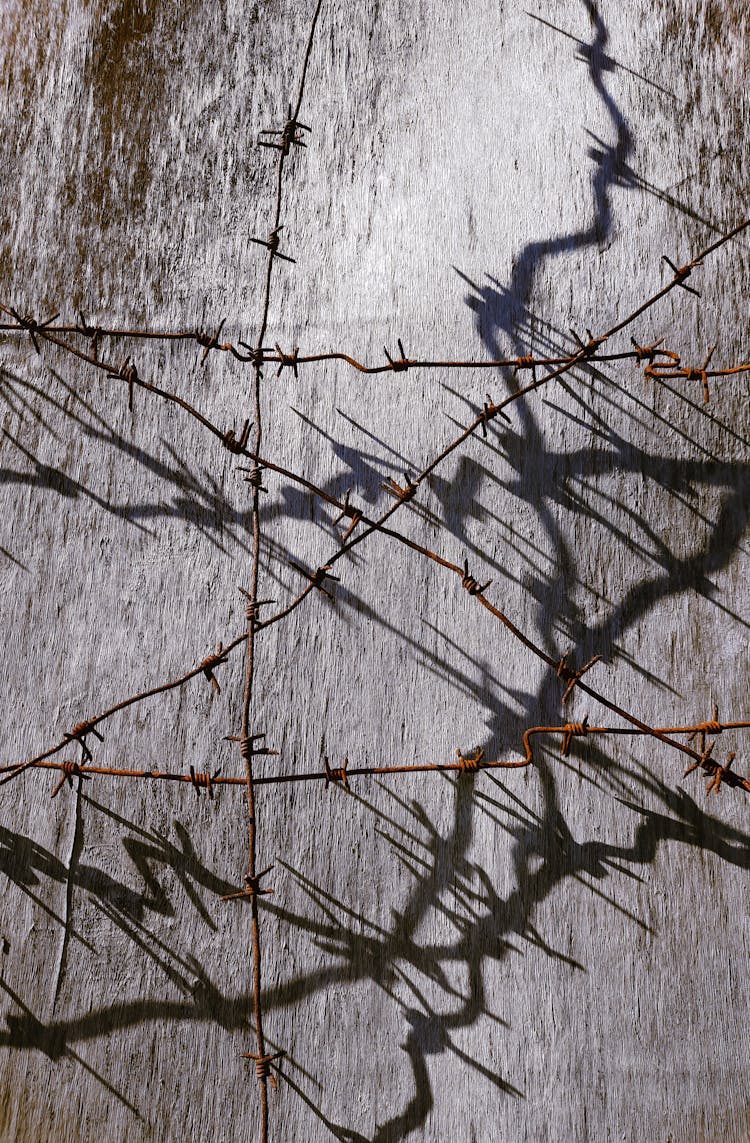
(659,363)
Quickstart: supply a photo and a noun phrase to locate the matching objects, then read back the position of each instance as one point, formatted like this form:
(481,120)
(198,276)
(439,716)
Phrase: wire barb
(318,577)
(473,586)
(571,677)
(30,324)
(263,1066)
(128,373)
(288,136)
(209,665)
(573,730)
(252,887)
(348,512)
(405,493)
(203,781)
(683,272)
(338,774)
(711,726)
(68,770)
(399,364)
(78,734)
(252,610)
(272,243)
(236,444)
(290,360)
(209,341)
(471,763)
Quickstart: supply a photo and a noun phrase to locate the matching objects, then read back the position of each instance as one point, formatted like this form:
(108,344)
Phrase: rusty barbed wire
(470,763)
(659,363)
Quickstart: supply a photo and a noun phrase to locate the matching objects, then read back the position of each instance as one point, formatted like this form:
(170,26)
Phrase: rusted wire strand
(288,137)
(331,775)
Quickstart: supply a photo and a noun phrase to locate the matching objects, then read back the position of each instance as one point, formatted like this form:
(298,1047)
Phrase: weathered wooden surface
(560,954)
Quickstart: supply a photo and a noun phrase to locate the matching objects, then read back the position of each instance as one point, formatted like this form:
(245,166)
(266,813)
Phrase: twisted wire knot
(399,364)
(255,478)
(402,494)
(252,609)
(209,341)
(571,677)
(288,135)
(573,730)
(255,355)
(210,663)
(68,770)
(287,359)
(31,325)
(128,373)
(527,362)
(338,774)
(78,734)
(471,584)
(272,244)
(318,577)
(263,1066)
(470,763)
(348,511)
(590,347)
(252,887)
(90,331)
(203,782)
(711,726)
(649,353)
(247,745)
(683,272)
(721,773)
(234,443)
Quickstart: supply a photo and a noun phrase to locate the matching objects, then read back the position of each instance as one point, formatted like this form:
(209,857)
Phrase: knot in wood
(470,763)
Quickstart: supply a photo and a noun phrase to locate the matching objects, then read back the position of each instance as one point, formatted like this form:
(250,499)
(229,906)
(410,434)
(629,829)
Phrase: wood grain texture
(555,954)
